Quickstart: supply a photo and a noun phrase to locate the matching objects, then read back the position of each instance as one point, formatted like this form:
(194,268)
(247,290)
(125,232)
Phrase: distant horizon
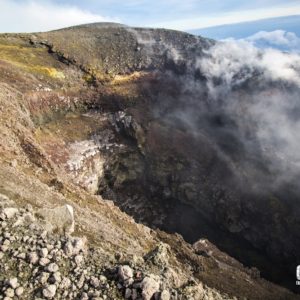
(245,29)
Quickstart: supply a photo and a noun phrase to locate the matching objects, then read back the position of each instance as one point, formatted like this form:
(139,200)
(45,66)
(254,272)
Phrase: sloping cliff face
(105,111)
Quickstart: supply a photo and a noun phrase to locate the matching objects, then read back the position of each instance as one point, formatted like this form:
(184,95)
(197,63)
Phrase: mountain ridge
(88,103)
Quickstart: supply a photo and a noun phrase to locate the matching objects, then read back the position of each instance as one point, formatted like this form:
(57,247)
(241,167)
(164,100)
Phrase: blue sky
(186,14)
(41,15)
(246,29)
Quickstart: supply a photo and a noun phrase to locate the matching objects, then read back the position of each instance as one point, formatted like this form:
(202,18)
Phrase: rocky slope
(89,111)
(40,264)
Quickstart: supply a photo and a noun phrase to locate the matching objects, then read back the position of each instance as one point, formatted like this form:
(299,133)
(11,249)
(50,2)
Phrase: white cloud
(32,16)
(204,21)
(281,39)
(231,57)
(272,103)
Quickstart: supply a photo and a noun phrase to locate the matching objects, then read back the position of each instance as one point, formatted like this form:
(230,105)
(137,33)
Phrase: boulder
(13,282)
(5,201)
(150,286)
(165,295)
(75,245)
(125,273)
(59,219)
(160,255)
(49,291)
(10,212)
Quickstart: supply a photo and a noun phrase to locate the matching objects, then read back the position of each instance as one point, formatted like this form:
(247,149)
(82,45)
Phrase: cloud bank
(279,39)
(259,89)
(230,58)
(33,16)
